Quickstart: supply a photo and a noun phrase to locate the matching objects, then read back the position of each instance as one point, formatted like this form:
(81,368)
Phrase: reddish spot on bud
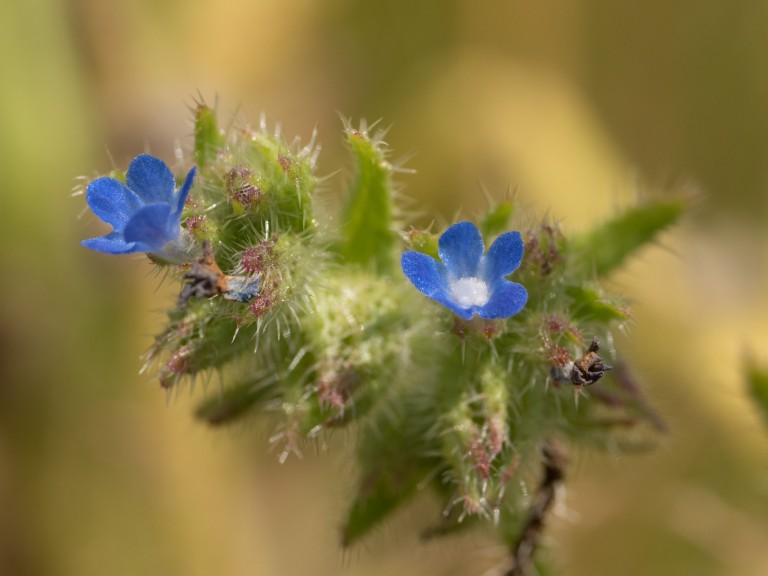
(481,458)
(418,237)
(625,310)
(558,355)
(496,435)
(335,387)
(329,394)
(179,364)
(557,326)
(192,202)
(290,437)
(257,259)
(459,328)
(264,301)
(196,225)
(490,329)
(541,248)
(241,188)
(285,163)
(261,305)
(510,470)
(471,505)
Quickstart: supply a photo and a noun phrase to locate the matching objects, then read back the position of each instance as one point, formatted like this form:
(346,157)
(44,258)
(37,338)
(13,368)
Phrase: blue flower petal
(445,299)
(507,299)
(112,201)
(145,212)
(460,248)
(504,256)
(153,227)
(112,243)
(184,192)
(150,179)
(424,272)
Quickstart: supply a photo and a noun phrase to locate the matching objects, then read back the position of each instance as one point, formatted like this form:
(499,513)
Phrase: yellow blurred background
(581,105)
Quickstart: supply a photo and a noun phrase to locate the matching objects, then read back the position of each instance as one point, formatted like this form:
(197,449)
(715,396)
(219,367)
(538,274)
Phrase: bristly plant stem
(555,460)
(418,340)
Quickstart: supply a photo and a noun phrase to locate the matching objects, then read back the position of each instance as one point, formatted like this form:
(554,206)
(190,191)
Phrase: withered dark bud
(590,367)
(204,279)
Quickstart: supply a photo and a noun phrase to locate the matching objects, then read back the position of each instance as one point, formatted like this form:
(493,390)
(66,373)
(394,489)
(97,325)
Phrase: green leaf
(391,452)
(208,139)
(367,235)
(234,403)
(381,493)
(589,305)
(606,247)
(757,380)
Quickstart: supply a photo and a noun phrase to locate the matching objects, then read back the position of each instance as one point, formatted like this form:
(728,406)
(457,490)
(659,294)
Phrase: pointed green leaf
(381,493)
(603,249)
(587,304)
(208,139)
(367,235)
(391,453)
(233,403)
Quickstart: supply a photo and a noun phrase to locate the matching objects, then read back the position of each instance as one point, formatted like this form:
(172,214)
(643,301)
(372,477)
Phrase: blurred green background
(582,105)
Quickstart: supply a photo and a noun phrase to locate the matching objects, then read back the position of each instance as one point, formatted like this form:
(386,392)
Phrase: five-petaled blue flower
(469,281)
(145,212)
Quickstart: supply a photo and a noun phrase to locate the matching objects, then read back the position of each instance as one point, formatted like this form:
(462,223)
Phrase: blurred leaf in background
(757,380)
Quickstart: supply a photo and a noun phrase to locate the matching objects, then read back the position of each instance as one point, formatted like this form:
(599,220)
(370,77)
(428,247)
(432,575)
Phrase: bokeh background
(580,105)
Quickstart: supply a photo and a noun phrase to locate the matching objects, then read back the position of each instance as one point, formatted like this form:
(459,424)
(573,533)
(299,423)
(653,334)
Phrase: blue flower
(467,281)
(145,212)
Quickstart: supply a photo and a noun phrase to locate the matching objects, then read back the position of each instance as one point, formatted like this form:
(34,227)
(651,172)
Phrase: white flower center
(469,291)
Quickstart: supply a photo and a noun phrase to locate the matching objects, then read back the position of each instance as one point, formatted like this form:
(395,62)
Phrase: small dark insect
(205,279)
(590,367)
